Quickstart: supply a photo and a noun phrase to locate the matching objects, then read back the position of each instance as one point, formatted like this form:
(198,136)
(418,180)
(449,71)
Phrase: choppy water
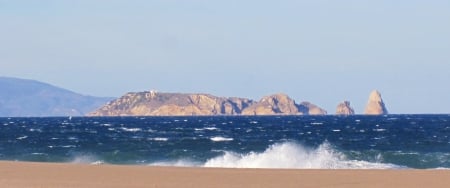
(392,141)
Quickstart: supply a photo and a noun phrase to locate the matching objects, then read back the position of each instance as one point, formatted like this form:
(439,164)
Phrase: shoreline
(34,174)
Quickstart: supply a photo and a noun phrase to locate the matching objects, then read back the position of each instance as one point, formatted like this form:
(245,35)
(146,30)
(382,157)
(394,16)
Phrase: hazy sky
(323,51)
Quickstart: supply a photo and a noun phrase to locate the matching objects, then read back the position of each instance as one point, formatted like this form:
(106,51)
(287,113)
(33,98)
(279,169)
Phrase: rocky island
(152,103)
(344,108)
(375,104)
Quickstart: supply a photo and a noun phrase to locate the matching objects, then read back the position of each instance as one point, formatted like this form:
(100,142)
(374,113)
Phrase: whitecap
(220,139)
(22,137)
(159,139)
(68,146)
(131,129)
(39,154)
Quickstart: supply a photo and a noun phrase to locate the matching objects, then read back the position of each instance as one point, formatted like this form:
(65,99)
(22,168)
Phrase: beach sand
(58,175)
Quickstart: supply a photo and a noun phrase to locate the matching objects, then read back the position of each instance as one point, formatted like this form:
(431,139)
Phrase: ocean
(294,142)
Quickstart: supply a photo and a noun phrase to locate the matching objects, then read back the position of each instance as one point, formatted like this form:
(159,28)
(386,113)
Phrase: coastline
(49,175)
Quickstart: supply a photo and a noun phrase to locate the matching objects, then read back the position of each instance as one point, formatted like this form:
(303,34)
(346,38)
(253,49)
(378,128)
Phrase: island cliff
(274,104)
(344,108)
(282,104)
(375,105)
(151,103)
(171,104)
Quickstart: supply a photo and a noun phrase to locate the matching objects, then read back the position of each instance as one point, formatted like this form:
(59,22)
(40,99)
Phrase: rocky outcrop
(175,104)
(344,108)
(172,104)
(308,108)
(272,105)
(375,105)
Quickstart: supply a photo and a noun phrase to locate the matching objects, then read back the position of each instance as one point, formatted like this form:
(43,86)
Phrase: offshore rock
(153,103)
(344,108)
(375,105)
(282,104)
(277,104)
(308,108)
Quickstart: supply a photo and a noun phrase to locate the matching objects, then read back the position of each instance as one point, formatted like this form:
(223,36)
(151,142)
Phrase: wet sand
(58,175)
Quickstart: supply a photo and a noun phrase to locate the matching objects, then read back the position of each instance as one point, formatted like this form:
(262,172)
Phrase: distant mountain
(21,97)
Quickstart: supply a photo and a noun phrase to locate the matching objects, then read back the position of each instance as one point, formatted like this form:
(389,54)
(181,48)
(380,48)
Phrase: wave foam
(220,139)
(177,163)
(294,156)
(161,139)
(131,129)
(86,159)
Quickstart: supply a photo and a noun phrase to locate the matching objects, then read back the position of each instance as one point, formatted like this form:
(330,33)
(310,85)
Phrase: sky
(322,51)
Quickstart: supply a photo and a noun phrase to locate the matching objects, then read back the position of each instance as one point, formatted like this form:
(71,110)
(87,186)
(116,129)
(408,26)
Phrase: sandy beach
(52,175)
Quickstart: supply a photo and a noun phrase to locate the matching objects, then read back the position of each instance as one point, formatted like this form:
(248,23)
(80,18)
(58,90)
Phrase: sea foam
(293,156)
(220,139)
(177,163)
(86,159)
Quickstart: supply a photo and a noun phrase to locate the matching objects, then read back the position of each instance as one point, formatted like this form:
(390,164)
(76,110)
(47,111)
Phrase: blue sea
(294,142)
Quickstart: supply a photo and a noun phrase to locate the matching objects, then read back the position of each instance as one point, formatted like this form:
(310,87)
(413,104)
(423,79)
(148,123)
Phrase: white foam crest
(131,129)
(86,159)
(293,156)
(220,139)
(22,137)
(161,139)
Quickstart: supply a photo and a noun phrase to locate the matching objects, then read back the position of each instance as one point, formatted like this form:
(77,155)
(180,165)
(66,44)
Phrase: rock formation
(175,104)
(344,108)
(172,104)
(272,105)
(375,105)
(308,108)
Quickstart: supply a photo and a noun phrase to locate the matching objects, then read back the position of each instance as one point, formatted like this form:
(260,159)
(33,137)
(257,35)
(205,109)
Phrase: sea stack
(344,108)
(375,105)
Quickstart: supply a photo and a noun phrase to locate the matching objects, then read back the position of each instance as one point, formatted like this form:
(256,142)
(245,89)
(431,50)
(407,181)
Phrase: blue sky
(319,51)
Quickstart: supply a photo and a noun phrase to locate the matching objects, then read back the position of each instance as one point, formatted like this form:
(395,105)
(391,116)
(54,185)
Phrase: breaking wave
(293,156)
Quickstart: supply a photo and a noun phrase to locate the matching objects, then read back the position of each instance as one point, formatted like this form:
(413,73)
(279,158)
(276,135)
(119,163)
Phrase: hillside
(21,97)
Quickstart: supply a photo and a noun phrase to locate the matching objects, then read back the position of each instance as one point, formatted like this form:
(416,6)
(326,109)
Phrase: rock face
(175,104)
(272,105)
(375,105)
(308,108)
(172,104)
(344,108)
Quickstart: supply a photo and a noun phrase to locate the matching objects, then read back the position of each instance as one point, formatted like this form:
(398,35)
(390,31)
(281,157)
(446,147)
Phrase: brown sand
(52,175)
